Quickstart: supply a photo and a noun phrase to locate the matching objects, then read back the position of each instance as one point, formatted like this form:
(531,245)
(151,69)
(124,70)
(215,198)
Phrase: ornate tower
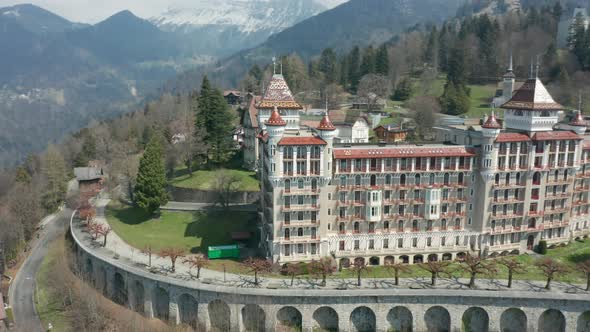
(327,132)
(275,127)
(508,82)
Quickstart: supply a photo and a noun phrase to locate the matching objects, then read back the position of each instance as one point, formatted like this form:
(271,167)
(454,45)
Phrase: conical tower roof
(278,94)
(326,124)
(275,119)
(532,96)
(492,123)
(578,120)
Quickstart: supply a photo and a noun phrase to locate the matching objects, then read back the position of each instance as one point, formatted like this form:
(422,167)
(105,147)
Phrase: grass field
(193,231)
(206,179)
(49,305)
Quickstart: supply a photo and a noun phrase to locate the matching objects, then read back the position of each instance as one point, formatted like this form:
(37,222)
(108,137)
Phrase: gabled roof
(278,94)
(532,96)
(310,140)
(512,137)
(556,136)
(252,111)
(232,92)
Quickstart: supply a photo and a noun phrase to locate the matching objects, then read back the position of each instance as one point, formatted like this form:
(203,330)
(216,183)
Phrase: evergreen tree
(150,188)
(368,63)
(455,100)
(328,66)
(457,71)
(354,64)
(382,61)
(403,90)
(557,11)
(54,172)
(430,55)
(212,118)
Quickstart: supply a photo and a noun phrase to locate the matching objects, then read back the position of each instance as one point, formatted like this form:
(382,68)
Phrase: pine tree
(455,100)
(403,90)
(430,55)
(54,172)
(213,115)
(328,66)
(368,63)
(150,189)
(354,63)
(382,61)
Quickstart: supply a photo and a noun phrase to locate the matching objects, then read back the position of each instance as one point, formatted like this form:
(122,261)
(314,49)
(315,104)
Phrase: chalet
(391,134)
(232,97)
(90,180)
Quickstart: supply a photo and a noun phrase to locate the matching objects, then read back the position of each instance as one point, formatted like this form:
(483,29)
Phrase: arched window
(314,184)
(357,180)
(287,185)
(388,179)
(300,184)
(373,180)
(457,223)
(343,181)
(431,180)
(461,178)
(446,179)
(287,233)
(507,178)
(417,179)
(556,175)
(497,179)
(313,233)
(537,178)
(341,227)
(415,225)
(299,231)
(386,224)
(402,180)
(493,224)
(518,178)
(357,227)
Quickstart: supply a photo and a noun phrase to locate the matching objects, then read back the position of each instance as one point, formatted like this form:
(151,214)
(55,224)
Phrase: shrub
(542,247)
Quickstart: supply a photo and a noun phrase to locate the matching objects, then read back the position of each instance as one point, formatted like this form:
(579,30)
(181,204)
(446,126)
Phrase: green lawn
(49,305)
(206,179)
(193,231)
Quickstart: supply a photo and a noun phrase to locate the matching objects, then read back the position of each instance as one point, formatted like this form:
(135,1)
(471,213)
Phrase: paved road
(23,286)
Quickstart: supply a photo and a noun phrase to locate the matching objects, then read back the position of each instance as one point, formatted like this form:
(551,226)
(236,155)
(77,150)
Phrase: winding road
(23,286)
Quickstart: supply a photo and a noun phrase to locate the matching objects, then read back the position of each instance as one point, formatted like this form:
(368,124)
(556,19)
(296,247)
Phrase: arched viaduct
(209,307)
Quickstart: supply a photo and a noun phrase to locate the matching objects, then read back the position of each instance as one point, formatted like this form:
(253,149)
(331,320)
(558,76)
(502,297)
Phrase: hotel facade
(494,188)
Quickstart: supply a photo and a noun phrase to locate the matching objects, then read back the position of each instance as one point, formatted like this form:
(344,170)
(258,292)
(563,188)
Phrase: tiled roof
(234,92)
(531,96)
(253,111)
(512,137)
(492,123)
(275,119)
(403,151)
(278,95)
(578,120)
(326,124)
(302,141)
(309,123)
(556,136)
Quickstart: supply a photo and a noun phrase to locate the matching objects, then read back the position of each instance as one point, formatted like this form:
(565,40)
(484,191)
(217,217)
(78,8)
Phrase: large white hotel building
(494,188)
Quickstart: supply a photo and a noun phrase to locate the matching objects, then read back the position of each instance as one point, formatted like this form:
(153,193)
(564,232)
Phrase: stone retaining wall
(204,196)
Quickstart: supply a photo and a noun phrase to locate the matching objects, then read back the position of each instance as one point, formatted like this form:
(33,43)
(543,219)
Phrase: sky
(93,11)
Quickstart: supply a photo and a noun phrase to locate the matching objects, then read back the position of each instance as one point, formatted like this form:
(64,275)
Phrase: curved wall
(222,308)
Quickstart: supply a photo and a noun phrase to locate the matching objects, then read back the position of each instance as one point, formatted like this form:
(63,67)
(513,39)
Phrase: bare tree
(435,268)
(173,254)
(513,266)
(584,267)
(147,250)
(323,268)
(550,269)
(424,109)
(373,87)
(197,262)
(358,267)
(226,184)
(94,229)
(292,269)
(397,268)
(475,265)
(104,230)
(258,265)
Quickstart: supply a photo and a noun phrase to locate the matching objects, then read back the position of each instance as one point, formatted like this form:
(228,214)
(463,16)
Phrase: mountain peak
(36,19)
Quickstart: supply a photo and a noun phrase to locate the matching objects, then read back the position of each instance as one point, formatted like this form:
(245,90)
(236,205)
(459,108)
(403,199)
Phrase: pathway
(125,252)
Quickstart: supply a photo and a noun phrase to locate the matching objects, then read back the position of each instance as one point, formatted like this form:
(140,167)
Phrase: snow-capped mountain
(244,16)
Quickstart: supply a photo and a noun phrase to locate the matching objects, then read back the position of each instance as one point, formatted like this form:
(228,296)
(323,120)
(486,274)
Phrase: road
(22,289)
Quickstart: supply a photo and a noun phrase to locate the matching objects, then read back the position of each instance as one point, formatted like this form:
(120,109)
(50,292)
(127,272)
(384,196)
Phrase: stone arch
(389,260)
(374,260)
(513,320)
(344,263)
(219,315)
(161,303)
(552,320)
(359,260)
(325,318)
(432,257)
(461,255)
(120,289)
(437,319)
(363,319)
(584,322)
(253,318)
(289,319)
(138,297)
(405,259)
(187,310)
(400,319)
(447,256)
(475,319)
(418,259)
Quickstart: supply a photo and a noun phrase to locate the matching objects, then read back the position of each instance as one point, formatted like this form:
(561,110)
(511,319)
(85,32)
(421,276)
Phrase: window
(357,180)
(371,244)
(414,242)
(428,241)
(341,246)
(300,216)
(400,243)
(287,218)
(300,248)
(385,243)
(287,233)
(400,226)
(300,184)
(314,250)
(356,244)
(287,250)
(443,241)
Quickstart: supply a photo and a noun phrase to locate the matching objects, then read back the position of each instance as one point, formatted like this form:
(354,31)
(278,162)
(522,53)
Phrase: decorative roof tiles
(404,151)
(278,95)
(578,120)
(492,123)
(275,119)
(326,124)
(532,96)
(310,140)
